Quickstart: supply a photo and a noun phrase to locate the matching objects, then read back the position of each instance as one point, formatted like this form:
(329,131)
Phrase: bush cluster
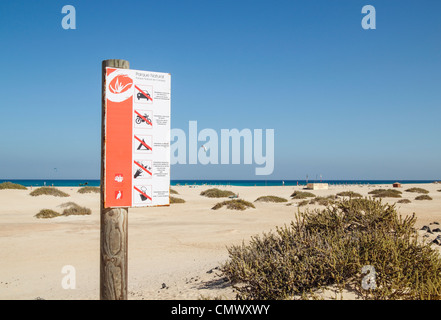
(217,193)
(329,247)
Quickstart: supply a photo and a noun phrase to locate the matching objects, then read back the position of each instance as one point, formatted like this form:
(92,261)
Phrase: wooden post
(113,225)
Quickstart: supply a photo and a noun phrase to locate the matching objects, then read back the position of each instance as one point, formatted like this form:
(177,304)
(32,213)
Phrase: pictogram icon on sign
(142,194)
(143,94)
(143,144)
(142,169)
(143,119)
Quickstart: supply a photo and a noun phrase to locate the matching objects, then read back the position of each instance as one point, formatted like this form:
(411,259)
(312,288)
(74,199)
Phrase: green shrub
(271,199)
(350,194)
(404,201)
(235,204)
(89,189)
(51,191)
(46,214)
(216,193)
(389,193)
(329,247)
(302,195)
(176,200)
(418,190)
(10,185)
(423,197)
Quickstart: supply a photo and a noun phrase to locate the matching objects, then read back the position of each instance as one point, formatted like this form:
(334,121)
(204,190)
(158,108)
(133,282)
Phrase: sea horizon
(214,182)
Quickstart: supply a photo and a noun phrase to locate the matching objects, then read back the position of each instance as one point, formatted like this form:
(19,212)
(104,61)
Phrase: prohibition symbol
(143,144)
(143,194)
(142,169)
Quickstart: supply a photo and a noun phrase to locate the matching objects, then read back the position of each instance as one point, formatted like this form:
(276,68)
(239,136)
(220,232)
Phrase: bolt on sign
(137,138)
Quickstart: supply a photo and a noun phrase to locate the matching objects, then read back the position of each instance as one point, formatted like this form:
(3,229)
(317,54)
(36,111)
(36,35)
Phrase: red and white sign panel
(137,167)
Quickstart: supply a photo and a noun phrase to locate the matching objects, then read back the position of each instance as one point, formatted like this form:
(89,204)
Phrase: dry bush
(173,191)
(322,201)
(404,201)
(10,185)
(216,193)
(50,191)
(330,247)
(174,200)
(75,209)
(46,214)
(235,204)
(423,197)
(383,193)
(418,190)
(89,189)
(302,195)
(350,194)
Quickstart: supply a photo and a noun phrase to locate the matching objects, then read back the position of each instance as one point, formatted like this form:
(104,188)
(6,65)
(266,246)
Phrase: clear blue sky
(345,102)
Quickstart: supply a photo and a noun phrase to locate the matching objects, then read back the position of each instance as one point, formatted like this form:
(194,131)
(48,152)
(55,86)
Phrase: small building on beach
(396,185)
(317,186)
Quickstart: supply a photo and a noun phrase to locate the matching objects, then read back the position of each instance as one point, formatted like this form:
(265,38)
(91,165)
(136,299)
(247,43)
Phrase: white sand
(174,245)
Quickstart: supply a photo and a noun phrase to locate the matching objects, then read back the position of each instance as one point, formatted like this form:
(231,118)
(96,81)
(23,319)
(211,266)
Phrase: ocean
(96,183)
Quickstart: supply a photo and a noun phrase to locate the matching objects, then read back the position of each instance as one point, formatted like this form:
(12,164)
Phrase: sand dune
(173,251)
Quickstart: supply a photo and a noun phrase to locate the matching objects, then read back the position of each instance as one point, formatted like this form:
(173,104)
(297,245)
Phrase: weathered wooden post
(114,221)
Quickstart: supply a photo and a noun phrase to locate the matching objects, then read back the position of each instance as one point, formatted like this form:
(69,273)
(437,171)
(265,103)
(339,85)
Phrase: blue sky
(345,102)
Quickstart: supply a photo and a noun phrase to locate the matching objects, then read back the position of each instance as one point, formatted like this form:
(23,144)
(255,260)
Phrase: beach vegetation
(404,201)
(74,209)
(11,185)
(217,193)
(350,194)
(323,201)
(383,193)
(47,214)
(173,191)
(235,204)
(423,197)
(418,190)
(329,248)
(89,189)
(50,191)
(303,203)
(174,200)
(270,199)
(302,195)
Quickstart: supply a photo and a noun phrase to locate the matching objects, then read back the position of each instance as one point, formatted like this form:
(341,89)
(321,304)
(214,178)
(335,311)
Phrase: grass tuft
(383,193)
(330,247)
(350,194)
(423,197)
(322,201)
(404,201)
(47,214)
(75,209)
(10,185)
(217,193)
(235,204)
(418,190)
(50,191)
(270,199)
(173,191)
(174,200)
(89,189)
(302,195)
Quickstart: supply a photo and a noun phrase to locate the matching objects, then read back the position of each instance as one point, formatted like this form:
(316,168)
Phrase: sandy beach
(174,251)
